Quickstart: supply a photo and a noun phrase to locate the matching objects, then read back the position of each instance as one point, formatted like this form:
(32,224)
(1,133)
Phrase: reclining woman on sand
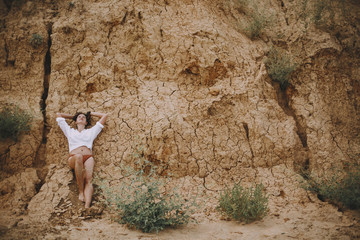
(80,147)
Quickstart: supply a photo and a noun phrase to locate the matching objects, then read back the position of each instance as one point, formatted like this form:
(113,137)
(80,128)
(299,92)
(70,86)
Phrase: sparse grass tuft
(142,201)
(36,40)
(13,122)
(244,204)
(257,24)
(280,66)
(340,187)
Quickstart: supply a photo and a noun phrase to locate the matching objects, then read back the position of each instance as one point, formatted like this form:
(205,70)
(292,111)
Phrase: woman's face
(81,119)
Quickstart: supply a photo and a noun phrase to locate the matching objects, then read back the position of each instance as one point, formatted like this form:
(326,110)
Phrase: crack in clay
(6,53)
(246,128)
(126,124)
(337,145)
(47,71)
(78,66)
(283,100)
(4,156)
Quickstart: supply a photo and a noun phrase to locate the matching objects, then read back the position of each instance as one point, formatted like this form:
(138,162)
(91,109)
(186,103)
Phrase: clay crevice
(47,71)
(6,54)
(40,154)
(283,99)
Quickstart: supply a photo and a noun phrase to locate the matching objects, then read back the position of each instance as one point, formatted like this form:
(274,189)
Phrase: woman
(80,147)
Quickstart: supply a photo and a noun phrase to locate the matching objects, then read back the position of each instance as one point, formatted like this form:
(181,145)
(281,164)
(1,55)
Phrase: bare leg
(88,191)
(76,163)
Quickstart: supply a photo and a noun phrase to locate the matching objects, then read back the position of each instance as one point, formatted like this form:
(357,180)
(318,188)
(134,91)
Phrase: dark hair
(87,115)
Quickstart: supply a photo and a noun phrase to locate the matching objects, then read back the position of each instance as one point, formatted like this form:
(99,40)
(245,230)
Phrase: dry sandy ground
(289,217)
(316,220)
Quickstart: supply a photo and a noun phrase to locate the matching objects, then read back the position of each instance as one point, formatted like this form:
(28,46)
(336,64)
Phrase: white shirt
(77,139)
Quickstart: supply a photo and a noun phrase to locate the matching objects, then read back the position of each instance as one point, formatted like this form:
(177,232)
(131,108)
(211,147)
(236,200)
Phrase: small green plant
(279,66)
(142,201)
(244,204)
(257,24)
(13,122)
(258,17)
(36,40)
(340,187)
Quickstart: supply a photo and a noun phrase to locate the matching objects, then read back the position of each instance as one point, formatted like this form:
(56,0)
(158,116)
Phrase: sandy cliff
(182,79)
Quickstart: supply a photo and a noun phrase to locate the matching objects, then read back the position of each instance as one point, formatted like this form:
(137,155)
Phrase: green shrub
(142,203)
(13,122)
(244,204)
(36,40)
(340,188)
(257,24)
(279,66)
(258,17)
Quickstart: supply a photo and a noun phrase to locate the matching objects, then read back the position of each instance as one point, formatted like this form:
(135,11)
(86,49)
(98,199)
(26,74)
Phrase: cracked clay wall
(174,78)
(181,79)
(21,80)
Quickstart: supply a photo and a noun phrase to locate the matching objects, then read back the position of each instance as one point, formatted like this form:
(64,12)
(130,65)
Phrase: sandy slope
(316,220)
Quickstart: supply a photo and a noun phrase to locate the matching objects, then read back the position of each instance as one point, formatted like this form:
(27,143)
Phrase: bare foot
(81,197)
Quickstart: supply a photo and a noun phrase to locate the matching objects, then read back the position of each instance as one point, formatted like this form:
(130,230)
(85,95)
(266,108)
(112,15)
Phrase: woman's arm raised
(64,115)
(102,116)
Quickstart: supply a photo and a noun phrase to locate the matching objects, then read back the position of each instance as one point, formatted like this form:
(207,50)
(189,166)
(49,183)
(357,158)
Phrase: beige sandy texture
(286,219)
(56,213)
(183,81)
